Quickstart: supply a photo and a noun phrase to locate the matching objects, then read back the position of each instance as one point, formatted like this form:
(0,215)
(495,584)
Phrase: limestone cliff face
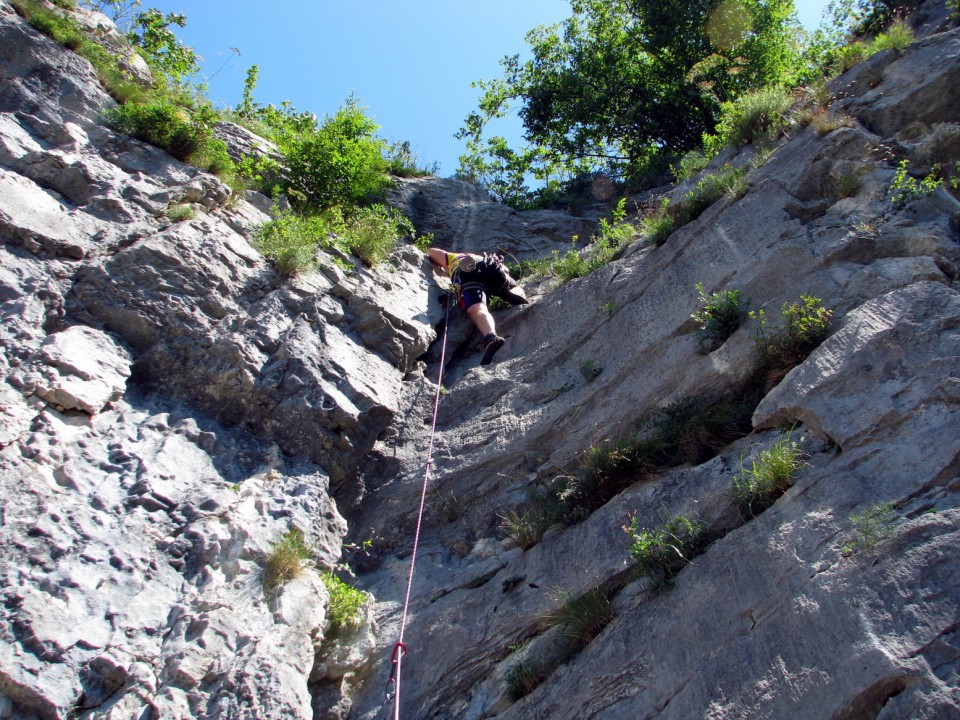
(171,407)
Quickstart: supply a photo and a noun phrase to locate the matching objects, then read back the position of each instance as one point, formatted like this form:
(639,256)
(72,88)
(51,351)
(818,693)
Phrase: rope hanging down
(399,649)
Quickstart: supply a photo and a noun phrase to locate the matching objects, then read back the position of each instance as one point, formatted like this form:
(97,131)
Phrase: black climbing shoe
(515,296)
(491,343)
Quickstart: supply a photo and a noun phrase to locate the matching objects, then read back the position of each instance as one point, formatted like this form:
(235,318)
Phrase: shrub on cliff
(341,163)
(291,240)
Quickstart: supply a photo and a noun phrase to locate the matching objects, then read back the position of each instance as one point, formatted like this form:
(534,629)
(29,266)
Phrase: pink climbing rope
(399,649)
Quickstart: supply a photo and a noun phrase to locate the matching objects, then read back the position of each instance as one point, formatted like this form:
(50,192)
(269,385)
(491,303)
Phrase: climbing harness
(399,649)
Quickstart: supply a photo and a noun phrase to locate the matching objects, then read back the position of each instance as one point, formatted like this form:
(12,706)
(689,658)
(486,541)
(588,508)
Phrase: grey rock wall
(779,618)
(171,407)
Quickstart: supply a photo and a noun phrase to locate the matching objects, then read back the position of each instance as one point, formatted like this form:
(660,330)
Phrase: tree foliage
(622,80)
(152,34)
(342,162)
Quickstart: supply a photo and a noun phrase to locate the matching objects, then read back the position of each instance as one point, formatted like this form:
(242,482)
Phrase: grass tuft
(871,526)
(285,561)
(525,528)
(180,213)
(581,617)
(523,678)
(769,475)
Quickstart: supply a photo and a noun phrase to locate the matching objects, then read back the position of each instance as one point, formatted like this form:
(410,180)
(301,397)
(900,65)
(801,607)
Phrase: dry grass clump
(285,561)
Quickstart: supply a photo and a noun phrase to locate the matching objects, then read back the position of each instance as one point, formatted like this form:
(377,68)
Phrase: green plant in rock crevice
(291,241)
(346,603)
(898,36)
(871,526)
(756,116)
(719,315)
(285,561)
(804,326)
(685,431)
(180,213)
(525,528)
(581,617)
(659,225)
(770,474)
(905,189)
(614,234)
(663,552)
(590,370)
(727,182)
(523,678)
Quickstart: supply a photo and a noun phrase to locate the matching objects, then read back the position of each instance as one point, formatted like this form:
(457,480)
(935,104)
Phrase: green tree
(152,34)
(621,79)
(869,16)
(341,163)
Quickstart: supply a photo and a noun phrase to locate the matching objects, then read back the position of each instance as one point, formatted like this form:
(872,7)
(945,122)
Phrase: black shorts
(487,277)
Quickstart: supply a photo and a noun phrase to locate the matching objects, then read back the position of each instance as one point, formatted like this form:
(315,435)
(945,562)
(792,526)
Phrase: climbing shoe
(514,296)
(491,343)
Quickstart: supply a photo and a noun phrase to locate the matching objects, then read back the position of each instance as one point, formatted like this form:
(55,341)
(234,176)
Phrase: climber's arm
(438,256)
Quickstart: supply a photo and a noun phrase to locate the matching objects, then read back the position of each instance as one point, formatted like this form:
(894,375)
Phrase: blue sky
(409,62)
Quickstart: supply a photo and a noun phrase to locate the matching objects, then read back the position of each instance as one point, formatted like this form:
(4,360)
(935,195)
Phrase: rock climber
(475,279)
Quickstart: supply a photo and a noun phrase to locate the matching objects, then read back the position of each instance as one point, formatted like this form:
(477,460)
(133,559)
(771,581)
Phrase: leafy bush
(850,55)
(291,241)
(572,265)
(770,474)
(163,52)
(719,314)
(905,189)
(575,264)
(285,561)
(613,236)
(371,233)
(346,602)
(663,552)
(805,325)
(896,37)
(161,124)
(341,163)
(582,617)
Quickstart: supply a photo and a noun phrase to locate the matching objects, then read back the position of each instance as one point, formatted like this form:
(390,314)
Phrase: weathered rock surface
(460,215)
(777,618)
(79,368)
(171,407)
